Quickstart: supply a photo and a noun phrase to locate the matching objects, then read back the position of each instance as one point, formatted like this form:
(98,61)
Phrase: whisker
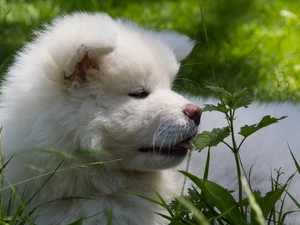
(157,134)
(159,131)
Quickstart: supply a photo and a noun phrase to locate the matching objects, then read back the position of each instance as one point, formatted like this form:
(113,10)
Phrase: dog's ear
(181,44)
(85,59)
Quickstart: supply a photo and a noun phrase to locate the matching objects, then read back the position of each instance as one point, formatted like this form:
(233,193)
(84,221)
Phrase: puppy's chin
(180,149)
(151,161)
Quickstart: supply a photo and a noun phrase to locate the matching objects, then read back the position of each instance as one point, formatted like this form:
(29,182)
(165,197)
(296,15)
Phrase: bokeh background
(240,43)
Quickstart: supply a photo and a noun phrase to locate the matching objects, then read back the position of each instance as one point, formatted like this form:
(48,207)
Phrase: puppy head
(140,119)
(111,90)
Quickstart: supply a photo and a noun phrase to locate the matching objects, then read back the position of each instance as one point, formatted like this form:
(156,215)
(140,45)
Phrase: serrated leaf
(226,97)
(220,108)
(247,130)
(243,101)
(241,93)
(231,101)
(211,138)
(221,92)
(201,219)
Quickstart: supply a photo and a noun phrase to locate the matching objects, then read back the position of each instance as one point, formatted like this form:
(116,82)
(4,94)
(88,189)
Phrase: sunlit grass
(252,43)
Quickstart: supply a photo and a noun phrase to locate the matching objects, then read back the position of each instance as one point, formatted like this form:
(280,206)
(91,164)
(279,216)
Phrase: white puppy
(89,83)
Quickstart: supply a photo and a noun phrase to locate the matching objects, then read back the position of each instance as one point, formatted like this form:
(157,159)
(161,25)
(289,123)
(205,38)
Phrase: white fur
(68,91)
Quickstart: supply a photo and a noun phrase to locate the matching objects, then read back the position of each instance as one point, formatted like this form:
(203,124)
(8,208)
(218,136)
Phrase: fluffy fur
(89,84)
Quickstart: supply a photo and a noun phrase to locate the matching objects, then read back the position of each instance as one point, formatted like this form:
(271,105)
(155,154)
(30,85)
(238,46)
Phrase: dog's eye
(140,94)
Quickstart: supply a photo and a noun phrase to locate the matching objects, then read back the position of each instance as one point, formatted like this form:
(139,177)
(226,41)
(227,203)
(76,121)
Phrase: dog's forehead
(136,63)
(136,74)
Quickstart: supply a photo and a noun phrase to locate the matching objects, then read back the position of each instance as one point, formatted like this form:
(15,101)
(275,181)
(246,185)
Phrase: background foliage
(249,43)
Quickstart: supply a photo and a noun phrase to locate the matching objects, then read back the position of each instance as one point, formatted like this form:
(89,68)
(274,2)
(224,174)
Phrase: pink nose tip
(193,112)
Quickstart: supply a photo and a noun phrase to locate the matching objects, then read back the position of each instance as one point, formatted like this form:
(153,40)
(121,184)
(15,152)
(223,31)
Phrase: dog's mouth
(179,150)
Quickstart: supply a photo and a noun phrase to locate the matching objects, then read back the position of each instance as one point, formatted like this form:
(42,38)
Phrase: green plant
(209,203)
(228,105)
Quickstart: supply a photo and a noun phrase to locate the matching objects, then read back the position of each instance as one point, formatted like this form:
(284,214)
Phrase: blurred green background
(242,43)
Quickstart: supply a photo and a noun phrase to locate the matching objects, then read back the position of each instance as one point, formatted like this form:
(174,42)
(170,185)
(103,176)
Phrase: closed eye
(139,94)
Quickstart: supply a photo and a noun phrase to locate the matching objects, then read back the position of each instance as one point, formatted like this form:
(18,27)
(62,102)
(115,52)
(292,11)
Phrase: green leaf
(77,222)
(267,203)
(295,161)
(211,138)
(57,152)
(198,215)
(147,198)
(110,216)
(206,170)
(247,130)
(161,203)
(164,216)
(221,198)
(220,108)
(5,164)
(294,200)
(221,92)
(242,101)
(22,207)
(34,168)
(164,204)
(228,100)
(255,208)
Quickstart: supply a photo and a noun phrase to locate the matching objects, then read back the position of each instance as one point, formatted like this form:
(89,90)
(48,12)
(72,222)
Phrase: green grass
(249,43)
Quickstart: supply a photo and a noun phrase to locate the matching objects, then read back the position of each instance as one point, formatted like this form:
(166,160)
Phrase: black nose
(193,112)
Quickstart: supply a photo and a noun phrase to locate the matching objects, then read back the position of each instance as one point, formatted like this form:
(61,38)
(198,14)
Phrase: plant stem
(239,175)
(186,169)
(231,118)
(235,151)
